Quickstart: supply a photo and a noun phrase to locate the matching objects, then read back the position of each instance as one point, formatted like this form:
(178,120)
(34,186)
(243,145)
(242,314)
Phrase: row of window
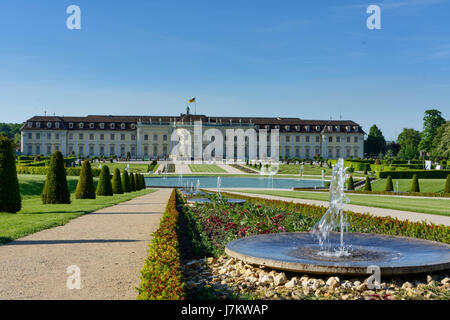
(81,125)
(308,152)
(92,136)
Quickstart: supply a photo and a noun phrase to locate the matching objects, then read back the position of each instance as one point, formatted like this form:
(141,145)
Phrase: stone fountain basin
(297,252)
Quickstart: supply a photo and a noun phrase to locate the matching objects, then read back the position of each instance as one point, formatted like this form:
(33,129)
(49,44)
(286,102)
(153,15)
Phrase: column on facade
(139,140)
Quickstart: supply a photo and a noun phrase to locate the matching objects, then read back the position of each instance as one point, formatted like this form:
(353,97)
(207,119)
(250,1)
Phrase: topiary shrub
(126,186)
(144,186)
(132,185)
(136,182)
(350,183)
(85,187)
(367,185)
(55,188)
(10,200)
(104,186)
(447,184)
(389,185)
(117,182)
(415,184)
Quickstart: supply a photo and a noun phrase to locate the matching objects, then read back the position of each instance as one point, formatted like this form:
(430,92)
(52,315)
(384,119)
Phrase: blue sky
(307,59)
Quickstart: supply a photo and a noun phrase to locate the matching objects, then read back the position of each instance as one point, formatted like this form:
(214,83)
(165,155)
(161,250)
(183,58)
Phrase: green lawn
(206,168)
(404,185)
(35,216)
(134,167)
(307,170)
(430,205)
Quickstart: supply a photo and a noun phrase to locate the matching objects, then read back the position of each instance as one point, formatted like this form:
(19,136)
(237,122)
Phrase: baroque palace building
(148,137)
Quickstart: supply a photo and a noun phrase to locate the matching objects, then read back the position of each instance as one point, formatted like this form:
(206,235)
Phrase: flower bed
(161,277)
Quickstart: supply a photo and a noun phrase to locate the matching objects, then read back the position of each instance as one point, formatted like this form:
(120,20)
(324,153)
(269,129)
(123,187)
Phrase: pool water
(232,182)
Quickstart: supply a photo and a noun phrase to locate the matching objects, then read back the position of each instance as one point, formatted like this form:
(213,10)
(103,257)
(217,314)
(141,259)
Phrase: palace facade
(148,137)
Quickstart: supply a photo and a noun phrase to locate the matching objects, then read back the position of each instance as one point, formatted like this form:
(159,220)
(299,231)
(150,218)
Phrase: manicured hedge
(418,194)
(43,171)
(365,223)
(161,277)
(421,174)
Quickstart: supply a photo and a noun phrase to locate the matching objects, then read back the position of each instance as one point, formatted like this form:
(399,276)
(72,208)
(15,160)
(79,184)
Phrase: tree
(10,200)
(441,142)
(432,120)
(117,182)
(136,182)
(392,149)
(85,187)
(375,143)
(367,185)
(126,182)
(447,184)
(389,185)
(415,184)
(144,186)
(104,186)
(409,140)
(132,185)
(350,183)
(56,189)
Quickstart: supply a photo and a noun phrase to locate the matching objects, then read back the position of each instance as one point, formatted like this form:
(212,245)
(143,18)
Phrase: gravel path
(382,212)
(109,246)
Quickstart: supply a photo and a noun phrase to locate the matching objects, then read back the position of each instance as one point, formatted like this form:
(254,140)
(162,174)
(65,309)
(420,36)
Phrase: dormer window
(49,124)
(102,125)
(287,128)
(38,124)
(112,125)
(307,128)
(297,128)
(30,124)
(57,125)
(355,128)
(349,128)
(317,128)
(133,126)
(122,126)
(330,128)
(81,125)
(338,128)
(70,125)
(91,125)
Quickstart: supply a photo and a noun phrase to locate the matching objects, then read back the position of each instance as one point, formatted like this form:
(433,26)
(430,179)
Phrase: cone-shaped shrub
(389,185)
(367,185)
(447,184)
(55,188)
(85,187)
(10,200)
(132,186)
(136,182)
(365,170)
(415,184)
(350,183)
(117,182)
(104,186)
(126,182)
(143,182)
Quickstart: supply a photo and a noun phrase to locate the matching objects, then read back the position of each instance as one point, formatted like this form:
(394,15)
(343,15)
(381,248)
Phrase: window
(165,150)
(155,150)
(30,149)
(112,125)
(297,139)
(38,135)
(348,140)
(57,125)
(49,136)
(348,152)
(165,137)
(356,139)
(338,139)
(102,150)
(91,150)
(330,153)
(133,126)
(133,137)
(330,139)
(49,124)
(145,150)
(49,149)
(307,138)
(287,138)
(317,139)
(297,152)
(146,137)
(80,136)
(70,148)
(57,136)
(287,153)
(102,125)
(56,148)
(70,136)
(122,137)
(102,136)
(112,149)
(307,155)
(91,136)
(122,126)
(122,151)
(338,152)
(30,124)
(133,151)
(80,150)
(38,124)
(317,151)
(112,136)
(155,137)
(91,125)
(38,149)
(71,125)
(30,135)
(81,125)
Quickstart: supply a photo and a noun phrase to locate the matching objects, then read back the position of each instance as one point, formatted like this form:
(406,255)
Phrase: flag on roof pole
(192,100)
